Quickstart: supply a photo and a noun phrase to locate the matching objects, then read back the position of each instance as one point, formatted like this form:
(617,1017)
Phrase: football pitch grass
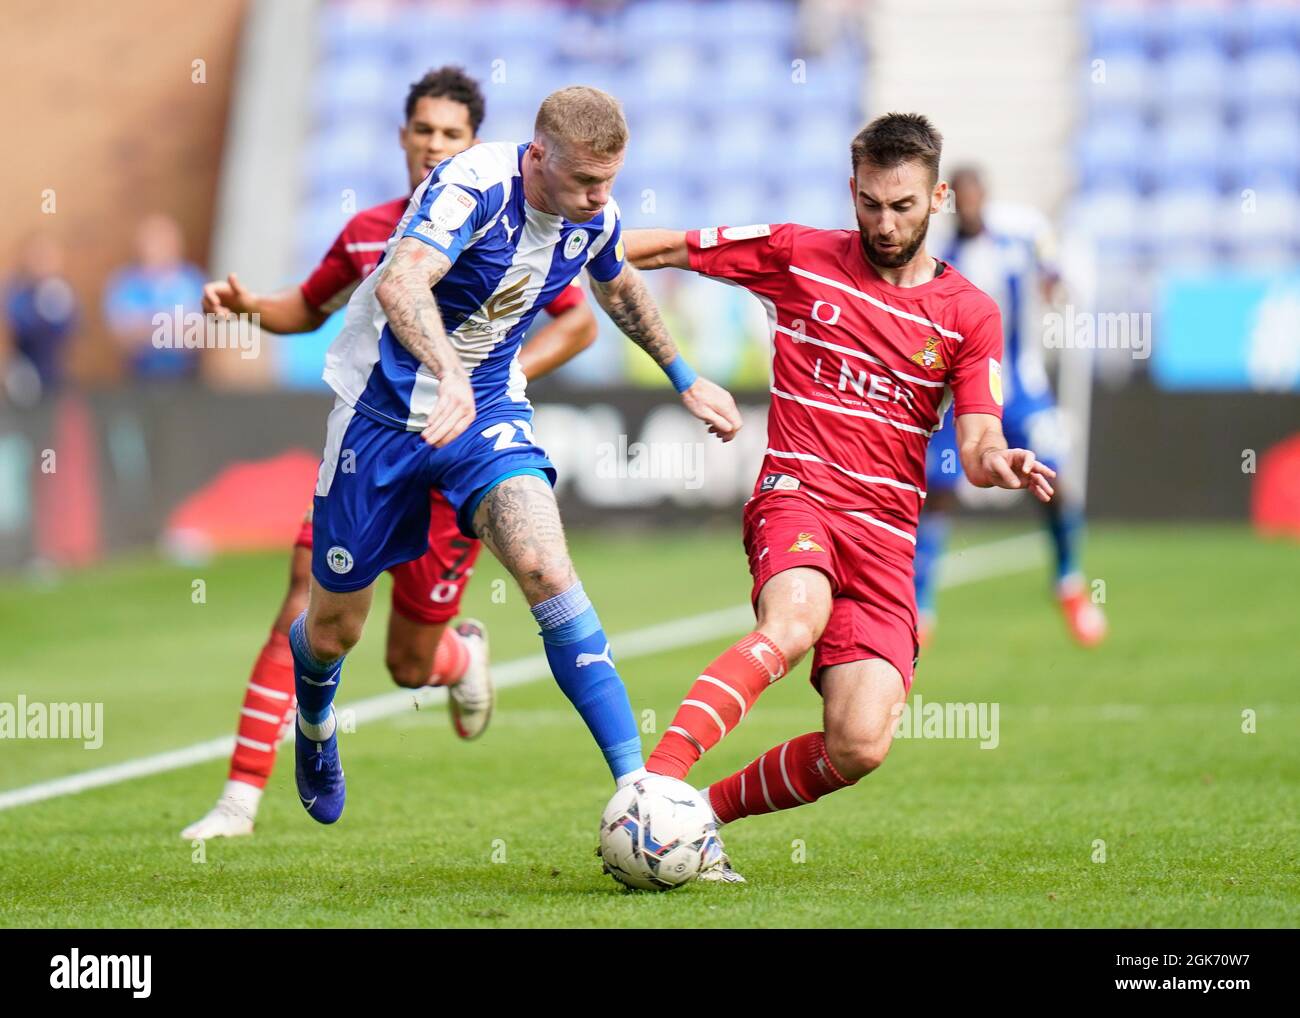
(1123,790)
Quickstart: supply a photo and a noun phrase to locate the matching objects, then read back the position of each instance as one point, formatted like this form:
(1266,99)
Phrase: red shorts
(873,614)
(428,589)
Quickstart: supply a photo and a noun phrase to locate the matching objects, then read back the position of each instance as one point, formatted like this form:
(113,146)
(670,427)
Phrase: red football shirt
(357,250)
(862,370)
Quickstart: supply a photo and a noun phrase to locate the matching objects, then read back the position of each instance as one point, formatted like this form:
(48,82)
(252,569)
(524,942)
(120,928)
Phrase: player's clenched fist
(714,406)
(1019,468)
(453,411)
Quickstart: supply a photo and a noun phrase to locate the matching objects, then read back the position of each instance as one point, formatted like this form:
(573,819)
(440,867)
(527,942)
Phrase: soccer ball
(657,833)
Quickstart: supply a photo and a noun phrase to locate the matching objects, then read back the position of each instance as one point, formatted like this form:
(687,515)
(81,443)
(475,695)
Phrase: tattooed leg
(520,522)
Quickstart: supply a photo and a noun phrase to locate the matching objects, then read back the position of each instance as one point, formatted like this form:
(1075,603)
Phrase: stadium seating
(1193,108)
(709,90)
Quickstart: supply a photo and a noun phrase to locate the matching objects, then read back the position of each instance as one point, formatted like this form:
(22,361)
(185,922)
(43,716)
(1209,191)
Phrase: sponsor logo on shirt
(435,233)
(508,301)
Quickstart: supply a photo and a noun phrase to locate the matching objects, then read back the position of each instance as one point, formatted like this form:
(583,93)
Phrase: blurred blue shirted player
(1009,257)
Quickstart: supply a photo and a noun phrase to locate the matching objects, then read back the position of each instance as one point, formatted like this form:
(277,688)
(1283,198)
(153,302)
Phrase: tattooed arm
(405,292)
(627,301)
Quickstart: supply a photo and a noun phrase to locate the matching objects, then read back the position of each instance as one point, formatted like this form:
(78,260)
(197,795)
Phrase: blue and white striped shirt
(509,261)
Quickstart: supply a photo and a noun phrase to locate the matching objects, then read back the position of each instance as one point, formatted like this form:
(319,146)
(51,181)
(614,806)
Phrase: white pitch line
(967,566)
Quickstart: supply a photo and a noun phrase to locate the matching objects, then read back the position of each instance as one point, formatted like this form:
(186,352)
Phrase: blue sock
(1066,526)
(314,681)
(580,659)
(931,537)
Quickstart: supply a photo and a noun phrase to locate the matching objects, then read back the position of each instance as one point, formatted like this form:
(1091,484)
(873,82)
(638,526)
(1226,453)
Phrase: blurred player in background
(1007,253)
(40,315)
(443,113)
(872,339)
(157,283)
(430,393)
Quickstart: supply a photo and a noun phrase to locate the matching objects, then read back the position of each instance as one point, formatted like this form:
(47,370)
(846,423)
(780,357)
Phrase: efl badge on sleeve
(995,381)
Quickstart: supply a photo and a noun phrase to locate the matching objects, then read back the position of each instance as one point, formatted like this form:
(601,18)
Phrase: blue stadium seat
(745,21)
(1122,80)
(825,207)
(657,200)
(672,71)
(1118,25)
(351,147)
(1184,216)
(1269,143)
(1267,23)
(1115,147)
(1113,217)
(1188,148)
(1267,217)
(1268,77)
(737,202)
(1178,25)
(348,29)
(1194,76)
(744,74)
(356,86)
(652,23)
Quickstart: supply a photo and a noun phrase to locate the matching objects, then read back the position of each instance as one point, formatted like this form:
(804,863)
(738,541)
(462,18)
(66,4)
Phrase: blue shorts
(1028,422)
(371,510)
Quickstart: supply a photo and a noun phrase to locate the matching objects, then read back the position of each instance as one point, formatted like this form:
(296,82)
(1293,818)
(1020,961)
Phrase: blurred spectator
(159,283)
(40,314)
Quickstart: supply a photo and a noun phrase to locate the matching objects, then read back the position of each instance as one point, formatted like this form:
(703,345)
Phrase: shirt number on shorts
(504,433)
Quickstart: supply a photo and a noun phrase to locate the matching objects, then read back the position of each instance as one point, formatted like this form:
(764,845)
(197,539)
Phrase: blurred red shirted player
(872,339)
(443,113)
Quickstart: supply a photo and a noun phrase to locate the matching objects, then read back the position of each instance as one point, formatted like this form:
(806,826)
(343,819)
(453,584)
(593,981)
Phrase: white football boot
(470,700)
(717,867)
(231,817)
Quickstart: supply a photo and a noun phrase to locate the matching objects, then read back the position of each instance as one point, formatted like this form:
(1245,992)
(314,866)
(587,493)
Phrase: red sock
(717,703)
(791,774)
(450,659)
(268,706)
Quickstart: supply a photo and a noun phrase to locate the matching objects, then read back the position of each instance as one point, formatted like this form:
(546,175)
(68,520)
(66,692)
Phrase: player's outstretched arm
(627,301)
(657,249)
(405,292)
(285,311)
(990,464)
(563,338)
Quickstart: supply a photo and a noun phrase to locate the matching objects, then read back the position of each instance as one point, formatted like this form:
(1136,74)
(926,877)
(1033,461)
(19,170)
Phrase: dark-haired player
(443,112)
(872,340)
